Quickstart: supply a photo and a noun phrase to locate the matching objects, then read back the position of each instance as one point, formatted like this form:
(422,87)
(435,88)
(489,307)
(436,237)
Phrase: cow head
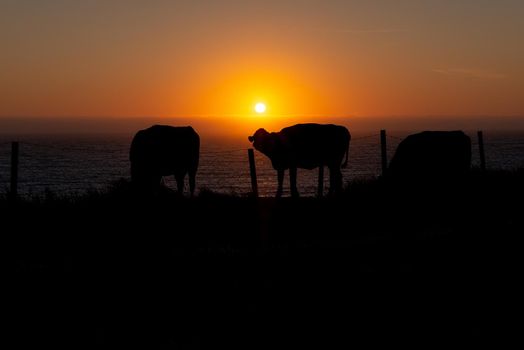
(264,141)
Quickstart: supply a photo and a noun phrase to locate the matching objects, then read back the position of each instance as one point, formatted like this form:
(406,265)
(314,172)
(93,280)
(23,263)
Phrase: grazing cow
(305,146)
(441,155)
(163,150)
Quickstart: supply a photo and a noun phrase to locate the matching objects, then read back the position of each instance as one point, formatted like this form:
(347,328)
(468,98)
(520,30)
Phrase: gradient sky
(218,58)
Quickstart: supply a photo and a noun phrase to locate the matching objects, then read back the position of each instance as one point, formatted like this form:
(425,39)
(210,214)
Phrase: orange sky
(303,58)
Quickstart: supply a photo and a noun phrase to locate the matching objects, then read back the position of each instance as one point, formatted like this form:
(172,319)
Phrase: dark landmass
(383,263)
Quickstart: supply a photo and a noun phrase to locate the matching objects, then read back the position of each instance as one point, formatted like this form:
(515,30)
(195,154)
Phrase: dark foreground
(381,264)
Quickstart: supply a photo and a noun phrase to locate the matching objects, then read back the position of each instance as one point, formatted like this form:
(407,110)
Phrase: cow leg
(192,176)
(151,183)
(280,175)
(293,181)
(156,181)
(335,180)
(180,182)
(320,181)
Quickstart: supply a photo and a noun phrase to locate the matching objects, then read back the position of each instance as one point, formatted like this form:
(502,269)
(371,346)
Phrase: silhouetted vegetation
(420,264)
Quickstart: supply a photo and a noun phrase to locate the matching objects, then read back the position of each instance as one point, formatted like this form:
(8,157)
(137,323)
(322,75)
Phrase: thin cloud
(470,73)
(371,31)
(358,30)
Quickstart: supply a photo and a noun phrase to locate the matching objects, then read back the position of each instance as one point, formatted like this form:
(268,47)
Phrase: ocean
(67,164)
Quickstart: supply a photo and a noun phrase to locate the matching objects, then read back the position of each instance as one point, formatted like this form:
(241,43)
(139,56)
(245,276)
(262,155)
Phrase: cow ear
(250,138)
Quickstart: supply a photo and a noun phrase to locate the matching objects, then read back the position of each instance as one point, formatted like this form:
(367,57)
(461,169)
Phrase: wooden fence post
(481,151)
(384,151)
(321,181)
(13,191)
(253,171)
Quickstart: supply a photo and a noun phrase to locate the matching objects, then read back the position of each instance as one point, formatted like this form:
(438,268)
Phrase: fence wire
(394,137)
(364,137)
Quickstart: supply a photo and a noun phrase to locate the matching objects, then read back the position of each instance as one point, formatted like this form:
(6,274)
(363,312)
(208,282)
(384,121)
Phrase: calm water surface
(77,164)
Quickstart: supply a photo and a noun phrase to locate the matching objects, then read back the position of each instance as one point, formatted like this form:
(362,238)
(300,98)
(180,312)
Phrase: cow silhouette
(442,155)
(163,150)
(306,146)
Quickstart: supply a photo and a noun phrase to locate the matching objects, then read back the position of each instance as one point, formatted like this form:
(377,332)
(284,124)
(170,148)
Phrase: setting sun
(260,108)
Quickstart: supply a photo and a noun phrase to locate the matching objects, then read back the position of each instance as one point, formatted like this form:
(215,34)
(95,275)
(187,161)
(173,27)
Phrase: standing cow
(306,146)
(439,155)
(163,150)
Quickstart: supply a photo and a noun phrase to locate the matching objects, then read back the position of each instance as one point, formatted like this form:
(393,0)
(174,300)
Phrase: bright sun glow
(260,107)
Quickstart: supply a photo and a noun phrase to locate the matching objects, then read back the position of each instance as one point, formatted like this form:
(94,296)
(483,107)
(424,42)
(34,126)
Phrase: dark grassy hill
(387,263)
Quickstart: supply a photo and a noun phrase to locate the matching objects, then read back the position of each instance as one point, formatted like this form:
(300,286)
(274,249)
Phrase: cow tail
(345,164)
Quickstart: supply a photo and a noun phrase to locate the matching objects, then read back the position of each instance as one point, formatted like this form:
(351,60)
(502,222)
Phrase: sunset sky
(130,58)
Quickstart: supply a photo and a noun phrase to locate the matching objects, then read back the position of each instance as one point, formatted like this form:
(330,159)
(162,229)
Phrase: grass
(382,262)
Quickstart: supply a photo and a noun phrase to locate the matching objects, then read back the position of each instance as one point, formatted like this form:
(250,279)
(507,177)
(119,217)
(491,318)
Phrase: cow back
(432,154)
(310,145)
(166,149)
